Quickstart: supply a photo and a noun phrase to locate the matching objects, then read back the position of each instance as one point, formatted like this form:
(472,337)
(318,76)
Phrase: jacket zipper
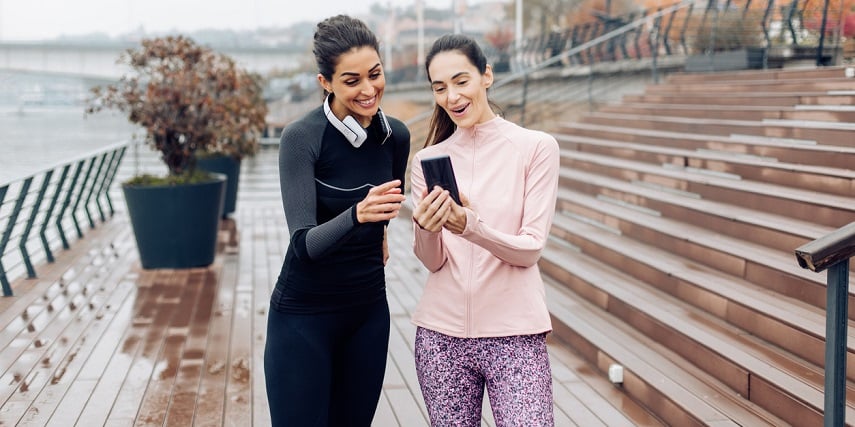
(472,261)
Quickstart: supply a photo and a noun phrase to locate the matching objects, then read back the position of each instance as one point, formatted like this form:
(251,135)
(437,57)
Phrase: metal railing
(47,211)
(781,27)
(561,73)
(571,82)
(832,252)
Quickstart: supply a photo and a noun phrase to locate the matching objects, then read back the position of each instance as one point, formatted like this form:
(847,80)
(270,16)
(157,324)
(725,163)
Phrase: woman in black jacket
(342,170)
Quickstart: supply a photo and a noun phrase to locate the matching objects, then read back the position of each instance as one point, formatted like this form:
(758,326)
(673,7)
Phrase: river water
(43,124)
(36,138)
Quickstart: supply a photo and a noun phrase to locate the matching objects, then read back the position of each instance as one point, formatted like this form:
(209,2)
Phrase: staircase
(671,254)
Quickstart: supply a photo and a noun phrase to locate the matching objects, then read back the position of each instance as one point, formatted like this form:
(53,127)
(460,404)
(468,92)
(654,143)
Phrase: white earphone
(351,129)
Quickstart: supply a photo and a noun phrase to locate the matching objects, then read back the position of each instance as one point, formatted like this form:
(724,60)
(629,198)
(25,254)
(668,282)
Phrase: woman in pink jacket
(482,319)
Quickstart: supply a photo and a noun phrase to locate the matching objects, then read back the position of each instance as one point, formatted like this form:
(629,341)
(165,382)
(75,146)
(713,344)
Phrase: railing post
(65,205)
(653,42)
(837,302)
(4,281)
(34,212)
(819,49)
(105,179)
(57,192)
(833,252)
(92,190)
(7,234)
(685,28)
(638,31)
(80,198)
(791,11)
(118,155)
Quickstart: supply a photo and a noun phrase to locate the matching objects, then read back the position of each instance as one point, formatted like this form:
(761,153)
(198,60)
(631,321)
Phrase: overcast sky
(45,19)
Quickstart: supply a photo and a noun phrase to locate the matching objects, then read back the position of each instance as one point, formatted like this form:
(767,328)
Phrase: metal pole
(822,34)
(837,299)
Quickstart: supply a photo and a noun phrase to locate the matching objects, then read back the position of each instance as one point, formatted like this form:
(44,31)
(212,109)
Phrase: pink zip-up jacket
(485,282)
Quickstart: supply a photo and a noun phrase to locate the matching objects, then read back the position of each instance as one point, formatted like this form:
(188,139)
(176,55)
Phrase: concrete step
(823,133)
(796,151)
(716,273)
(782,385)
(776,74)
(756,168)
(775,98)
(748,86)
(826,209)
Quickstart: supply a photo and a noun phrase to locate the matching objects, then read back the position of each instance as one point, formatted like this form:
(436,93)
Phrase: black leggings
(326,369)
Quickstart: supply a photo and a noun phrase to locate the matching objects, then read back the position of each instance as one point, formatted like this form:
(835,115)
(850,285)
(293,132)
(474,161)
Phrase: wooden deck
(97,341)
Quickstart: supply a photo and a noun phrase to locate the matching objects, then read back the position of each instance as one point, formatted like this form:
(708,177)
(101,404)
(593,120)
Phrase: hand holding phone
(439,172)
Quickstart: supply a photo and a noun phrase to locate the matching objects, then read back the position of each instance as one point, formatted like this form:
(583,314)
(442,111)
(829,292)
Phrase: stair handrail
(832,252)
(595,42)
(525,72)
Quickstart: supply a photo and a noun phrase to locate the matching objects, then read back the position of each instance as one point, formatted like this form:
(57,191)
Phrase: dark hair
(337,35)
(441,125)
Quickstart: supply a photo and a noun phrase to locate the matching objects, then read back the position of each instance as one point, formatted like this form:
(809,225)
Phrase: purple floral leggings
(453,373)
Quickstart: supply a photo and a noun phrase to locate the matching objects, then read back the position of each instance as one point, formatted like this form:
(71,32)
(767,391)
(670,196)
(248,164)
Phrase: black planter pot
(228,166)
(176,226)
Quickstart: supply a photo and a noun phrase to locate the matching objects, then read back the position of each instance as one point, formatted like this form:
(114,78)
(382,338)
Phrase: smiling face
(358,83)
(459,89)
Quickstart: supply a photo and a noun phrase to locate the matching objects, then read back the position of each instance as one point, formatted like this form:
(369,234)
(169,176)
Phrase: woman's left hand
(433,209)
(456,222)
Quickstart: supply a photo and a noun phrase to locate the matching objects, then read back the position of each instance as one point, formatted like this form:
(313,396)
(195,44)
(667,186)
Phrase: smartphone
(438,171)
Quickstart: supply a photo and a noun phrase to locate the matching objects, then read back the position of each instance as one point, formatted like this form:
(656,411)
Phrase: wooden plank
(68,368)
(266,263)
(408,404)
(575,399)
(153,323)
(182,408)
(27,330)
(97,243)
(83,385)
(91,396)
(158,397)
(43,341)
(384,417)
(406,410)
(66,354)
(238,382)
(211,395)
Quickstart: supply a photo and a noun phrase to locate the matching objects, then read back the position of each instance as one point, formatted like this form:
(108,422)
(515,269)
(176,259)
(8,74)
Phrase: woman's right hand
(433,210)
(382,203)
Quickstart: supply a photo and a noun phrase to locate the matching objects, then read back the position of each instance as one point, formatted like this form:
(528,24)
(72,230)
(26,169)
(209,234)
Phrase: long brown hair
(441,125)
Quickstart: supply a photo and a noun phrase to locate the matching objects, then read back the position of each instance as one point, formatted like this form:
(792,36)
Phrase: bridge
(93,61)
